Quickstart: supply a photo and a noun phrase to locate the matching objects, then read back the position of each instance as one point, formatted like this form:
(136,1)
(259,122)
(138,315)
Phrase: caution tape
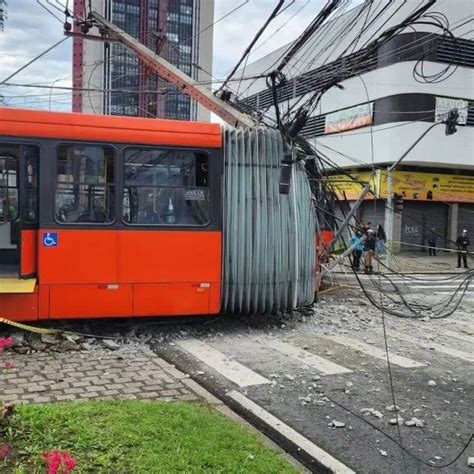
(28,328)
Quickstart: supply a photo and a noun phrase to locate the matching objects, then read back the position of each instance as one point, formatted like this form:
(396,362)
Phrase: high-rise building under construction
(109,79)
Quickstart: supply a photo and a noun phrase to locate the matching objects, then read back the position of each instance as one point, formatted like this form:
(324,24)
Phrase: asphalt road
(318,382)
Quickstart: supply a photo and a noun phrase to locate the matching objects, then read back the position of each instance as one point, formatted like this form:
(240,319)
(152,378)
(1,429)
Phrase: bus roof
(107,128)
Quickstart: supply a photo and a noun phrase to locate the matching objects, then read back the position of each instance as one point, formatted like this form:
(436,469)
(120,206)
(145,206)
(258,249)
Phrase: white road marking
(229,368)
(441,287)
(289,433)
(468,357)
(375,351)
(457,335)
(305,357)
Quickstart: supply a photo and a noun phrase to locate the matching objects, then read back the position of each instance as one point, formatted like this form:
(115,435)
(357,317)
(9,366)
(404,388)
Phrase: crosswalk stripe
(374,351)
(457,335)
(305,357)
(323,457)
(231,369)
(419,342)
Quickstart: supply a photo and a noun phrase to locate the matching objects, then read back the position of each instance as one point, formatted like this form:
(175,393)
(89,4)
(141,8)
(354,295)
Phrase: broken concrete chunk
(470,462)
(396,421)
(383,452)
(338,424)
(112,345)
(415,422)
(48,339)
(431,383)
(289,377)
(371,411)
(392,408)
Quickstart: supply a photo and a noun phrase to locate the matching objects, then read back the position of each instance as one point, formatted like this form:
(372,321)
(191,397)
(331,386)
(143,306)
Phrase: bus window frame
(116,183)
(159,225)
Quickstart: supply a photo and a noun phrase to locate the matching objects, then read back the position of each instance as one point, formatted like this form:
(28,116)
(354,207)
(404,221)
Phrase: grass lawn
(136,437)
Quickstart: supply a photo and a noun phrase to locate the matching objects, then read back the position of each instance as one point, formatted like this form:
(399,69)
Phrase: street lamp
(451,122)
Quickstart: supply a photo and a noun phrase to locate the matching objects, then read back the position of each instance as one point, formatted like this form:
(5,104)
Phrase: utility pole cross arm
(172,74)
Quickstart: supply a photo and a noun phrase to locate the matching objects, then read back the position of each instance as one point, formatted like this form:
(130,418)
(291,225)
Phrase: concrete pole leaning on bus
(463,243)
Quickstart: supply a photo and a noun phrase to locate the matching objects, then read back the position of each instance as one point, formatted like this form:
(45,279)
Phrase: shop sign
(348,119)
(412,186)
(347,188)
(445,104)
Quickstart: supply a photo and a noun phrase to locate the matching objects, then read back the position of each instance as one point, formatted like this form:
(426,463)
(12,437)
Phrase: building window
(85,184)
(166,187)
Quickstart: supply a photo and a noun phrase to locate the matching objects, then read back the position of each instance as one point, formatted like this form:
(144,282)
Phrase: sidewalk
(129,373)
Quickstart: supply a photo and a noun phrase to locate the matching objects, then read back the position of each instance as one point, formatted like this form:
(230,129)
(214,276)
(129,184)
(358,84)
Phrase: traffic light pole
(390,208)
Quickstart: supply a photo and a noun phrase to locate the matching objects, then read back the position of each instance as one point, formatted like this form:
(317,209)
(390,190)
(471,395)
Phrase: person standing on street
(432,243)
(380,241)
(369,248)
(357,252)
(462,243)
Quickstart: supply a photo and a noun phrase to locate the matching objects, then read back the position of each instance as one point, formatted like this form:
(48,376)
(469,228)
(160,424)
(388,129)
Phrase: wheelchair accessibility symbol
(50,239)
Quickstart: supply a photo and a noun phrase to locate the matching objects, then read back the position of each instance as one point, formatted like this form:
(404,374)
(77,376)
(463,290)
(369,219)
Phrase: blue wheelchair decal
(50,239)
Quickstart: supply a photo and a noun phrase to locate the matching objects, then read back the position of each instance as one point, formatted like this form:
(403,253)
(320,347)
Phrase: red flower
(9,364)
(4,450)
(8,342)
(59,462)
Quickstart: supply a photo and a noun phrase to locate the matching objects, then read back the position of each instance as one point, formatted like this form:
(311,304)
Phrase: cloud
(30,29)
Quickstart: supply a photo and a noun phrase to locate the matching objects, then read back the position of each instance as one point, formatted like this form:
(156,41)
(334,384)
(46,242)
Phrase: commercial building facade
(111,80)
(387,100)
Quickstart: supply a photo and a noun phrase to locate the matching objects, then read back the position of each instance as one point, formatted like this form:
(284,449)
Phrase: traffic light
(398,202)
(452,121)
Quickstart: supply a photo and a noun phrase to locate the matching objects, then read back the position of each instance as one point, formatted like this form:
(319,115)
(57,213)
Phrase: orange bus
(108,216)
(104,216)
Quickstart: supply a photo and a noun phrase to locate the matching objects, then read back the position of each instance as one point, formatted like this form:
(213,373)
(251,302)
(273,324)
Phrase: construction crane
(166,70)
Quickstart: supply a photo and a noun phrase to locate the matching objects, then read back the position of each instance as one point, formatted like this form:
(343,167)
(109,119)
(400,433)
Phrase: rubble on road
(371,411)
(415,422)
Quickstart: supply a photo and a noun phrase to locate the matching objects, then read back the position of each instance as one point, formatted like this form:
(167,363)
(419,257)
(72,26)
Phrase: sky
(30,29)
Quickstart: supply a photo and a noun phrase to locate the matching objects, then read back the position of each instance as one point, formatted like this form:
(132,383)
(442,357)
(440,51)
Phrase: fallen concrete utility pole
(166,70)
(338,260)
(343,226)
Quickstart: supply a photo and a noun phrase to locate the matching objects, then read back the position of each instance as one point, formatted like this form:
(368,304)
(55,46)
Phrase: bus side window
(166,187)
(85,184)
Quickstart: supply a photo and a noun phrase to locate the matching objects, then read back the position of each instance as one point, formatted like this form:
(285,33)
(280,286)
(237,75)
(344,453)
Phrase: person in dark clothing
(359,248)
(462,243)
(432,243)
(369,248)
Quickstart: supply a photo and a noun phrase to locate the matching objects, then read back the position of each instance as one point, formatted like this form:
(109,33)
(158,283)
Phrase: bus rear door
(18,230)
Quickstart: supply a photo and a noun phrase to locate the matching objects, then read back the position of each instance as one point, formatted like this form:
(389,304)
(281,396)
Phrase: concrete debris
(438,458)
(392,408)
(431,383)
(337,424)
(383,452)
(109,344)
(415,422)
(48,339)
(289,377)
(349,384)
(316,377)
(200,372)
(371,411)
(470,462)
(396,421)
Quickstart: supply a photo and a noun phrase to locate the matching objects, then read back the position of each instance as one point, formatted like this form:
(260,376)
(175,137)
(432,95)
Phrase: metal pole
(342,227)
(389,215)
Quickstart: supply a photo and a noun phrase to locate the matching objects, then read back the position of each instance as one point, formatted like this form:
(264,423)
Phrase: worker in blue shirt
(358,249)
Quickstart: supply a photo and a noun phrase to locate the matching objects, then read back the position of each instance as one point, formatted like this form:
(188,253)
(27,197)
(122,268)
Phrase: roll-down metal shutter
(466,220)
(374,212)
(418,218)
